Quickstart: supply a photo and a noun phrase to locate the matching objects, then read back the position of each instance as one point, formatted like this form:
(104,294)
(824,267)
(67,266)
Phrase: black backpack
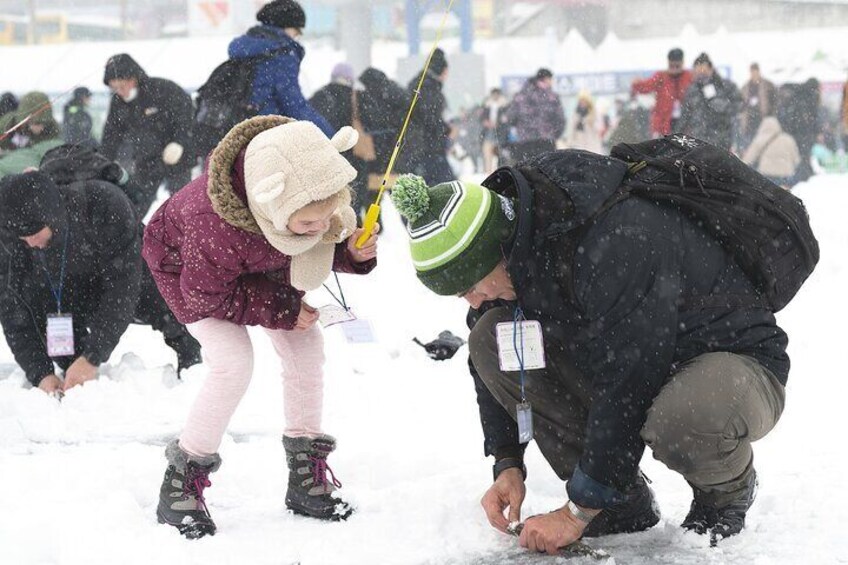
(224,100)
(70,163)
(765,227)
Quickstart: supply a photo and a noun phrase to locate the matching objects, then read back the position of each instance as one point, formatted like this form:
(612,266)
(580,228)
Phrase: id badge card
(333,314)
(709,91)
(60,335)
(531,347)
(358,331)
(524,417)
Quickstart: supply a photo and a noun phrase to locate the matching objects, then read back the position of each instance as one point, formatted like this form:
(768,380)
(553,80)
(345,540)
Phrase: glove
(443,347)
(172,153)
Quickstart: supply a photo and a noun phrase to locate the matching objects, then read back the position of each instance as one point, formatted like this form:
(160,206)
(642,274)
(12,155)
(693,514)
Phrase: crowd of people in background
(149,123)
(700,102)
(150,140)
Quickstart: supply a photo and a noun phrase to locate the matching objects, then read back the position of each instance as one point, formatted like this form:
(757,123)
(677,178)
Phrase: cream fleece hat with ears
(288,167)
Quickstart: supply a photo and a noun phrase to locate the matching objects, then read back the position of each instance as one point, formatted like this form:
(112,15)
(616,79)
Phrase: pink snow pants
(228,353)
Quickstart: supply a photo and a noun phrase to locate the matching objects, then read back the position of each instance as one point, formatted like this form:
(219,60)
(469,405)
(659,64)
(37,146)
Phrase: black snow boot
(187,349)
(637,513)
(721,514)
(181,502)
(310,493)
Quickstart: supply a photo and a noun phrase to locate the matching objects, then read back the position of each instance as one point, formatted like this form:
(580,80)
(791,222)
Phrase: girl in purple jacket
(238,247)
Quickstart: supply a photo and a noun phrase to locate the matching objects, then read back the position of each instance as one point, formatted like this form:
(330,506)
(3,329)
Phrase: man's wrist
(505,463)
(584,515)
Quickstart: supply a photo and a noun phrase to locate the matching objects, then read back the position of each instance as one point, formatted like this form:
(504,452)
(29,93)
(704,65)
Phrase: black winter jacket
(383,105)
(77,124)
(631,297)
(428,133)
(709,109)
(335,102)
(102,278)
(161,113)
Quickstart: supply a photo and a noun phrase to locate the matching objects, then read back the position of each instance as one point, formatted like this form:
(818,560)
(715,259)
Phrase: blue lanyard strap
(56,290)
(518,336)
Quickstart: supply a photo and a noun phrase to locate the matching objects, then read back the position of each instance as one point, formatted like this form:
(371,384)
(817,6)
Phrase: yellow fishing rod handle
(368,224)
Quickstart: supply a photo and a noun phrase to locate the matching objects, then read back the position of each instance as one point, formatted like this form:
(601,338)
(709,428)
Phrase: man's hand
(79,372)
(549,532)
(369,248)
(307,317)
(506,492)
(51,384)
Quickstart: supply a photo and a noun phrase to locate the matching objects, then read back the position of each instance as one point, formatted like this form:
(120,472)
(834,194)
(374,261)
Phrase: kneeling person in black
(651,334)
(74,279)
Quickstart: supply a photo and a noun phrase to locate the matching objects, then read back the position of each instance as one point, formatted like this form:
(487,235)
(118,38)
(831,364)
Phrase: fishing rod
(374,209)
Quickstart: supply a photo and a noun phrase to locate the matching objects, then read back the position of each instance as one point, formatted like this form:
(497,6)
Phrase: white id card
(528,339)
(358,331)
(60,335)
(333,314)
(709,91)
(524,417)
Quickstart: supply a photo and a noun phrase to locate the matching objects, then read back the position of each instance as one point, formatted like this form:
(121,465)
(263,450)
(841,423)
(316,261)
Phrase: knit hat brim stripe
(482,212)
(435,227)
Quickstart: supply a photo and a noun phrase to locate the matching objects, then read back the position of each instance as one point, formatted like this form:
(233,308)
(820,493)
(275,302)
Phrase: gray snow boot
(181,502)
(310,493)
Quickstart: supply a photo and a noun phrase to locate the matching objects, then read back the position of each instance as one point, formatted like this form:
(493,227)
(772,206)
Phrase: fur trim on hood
(226,203)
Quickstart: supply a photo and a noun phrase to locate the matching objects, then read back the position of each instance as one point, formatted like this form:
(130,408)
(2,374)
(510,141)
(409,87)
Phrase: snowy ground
(79,480)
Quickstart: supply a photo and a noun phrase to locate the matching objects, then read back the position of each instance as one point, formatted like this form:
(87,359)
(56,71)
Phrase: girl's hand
(307,317)
(368,251)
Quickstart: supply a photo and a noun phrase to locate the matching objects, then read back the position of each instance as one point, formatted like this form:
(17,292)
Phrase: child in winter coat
(238,247)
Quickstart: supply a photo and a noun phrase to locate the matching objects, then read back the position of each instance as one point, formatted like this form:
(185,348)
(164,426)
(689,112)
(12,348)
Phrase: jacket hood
(556,193)
(373,78)
(264,40)
(71,163)
(225,184)
(37,105)
(122,66)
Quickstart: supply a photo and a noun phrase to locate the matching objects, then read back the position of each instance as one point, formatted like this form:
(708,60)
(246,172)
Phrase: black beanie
(122,66)
(543,73)
(675,55)
(282,14)
(438,63)
(28,202)
(703,59)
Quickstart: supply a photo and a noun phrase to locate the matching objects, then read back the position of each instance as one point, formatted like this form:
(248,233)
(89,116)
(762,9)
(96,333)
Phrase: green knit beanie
(456,229)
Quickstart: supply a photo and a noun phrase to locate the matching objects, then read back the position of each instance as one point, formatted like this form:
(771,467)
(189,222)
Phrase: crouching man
(636,329)
(72,279)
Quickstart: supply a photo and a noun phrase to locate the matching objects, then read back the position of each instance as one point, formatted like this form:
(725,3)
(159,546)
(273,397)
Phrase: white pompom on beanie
(291,166)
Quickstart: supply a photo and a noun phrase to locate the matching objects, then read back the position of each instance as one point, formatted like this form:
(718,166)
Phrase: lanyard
(341,301)
(54,289)
(518,339)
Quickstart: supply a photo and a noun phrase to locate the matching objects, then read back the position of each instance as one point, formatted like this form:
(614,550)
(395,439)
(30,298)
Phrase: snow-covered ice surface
(79,480)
